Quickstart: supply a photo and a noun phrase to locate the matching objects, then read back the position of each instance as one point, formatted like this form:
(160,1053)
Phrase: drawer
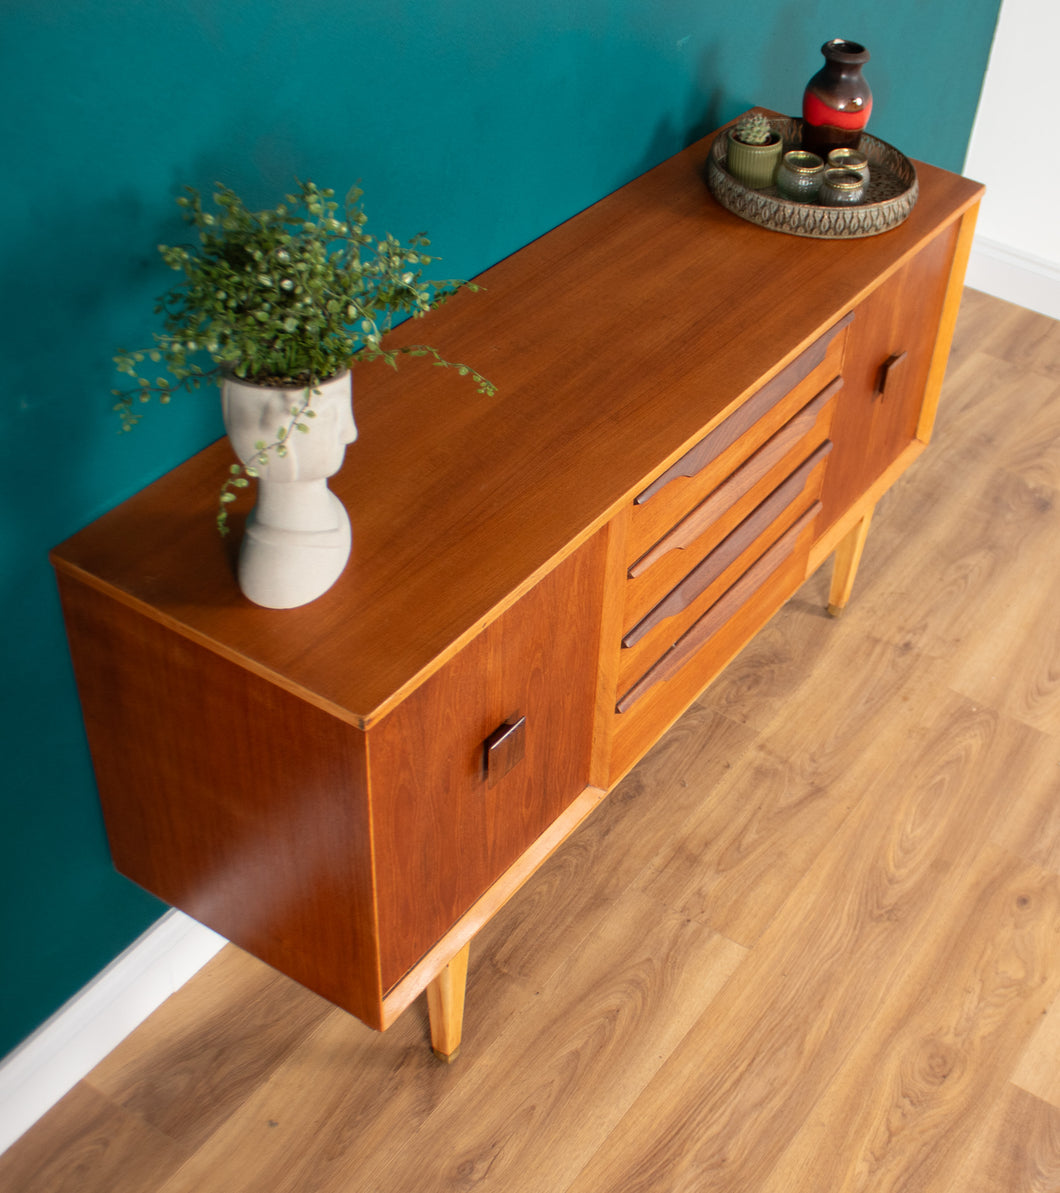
(649,637)
(646,709)
(662,567)
(673,494)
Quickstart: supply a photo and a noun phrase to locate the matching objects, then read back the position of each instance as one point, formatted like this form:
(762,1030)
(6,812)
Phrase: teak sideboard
(693,413)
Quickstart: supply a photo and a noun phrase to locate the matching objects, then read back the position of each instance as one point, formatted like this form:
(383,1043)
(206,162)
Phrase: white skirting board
(1031,282)
(79,1035)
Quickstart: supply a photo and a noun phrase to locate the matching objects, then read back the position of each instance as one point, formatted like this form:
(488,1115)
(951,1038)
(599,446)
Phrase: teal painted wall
(485,123)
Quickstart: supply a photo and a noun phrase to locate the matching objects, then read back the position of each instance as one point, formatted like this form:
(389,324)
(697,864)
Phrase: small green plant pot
(754,165)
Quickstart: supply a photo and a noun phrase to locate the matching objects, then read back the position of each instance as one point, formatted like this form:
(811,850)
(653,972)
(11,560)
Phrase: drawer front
(647,708)
(668,561)
(477,763)
(673,494)
(654,634)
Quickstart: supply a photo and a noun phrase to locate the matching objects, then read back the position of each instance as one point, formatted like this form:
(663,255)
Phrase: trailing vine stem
(240,475)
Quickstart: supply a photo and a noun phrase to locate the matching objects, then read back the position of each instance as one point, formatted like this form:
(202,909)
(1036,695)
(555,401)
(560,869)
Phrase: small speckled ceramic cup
(799,175)
(841,188)
(850,159)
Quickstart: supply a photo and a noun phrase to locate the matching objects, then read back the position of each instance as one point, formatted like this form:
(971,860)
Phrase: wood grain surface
(809,943)
(608,369)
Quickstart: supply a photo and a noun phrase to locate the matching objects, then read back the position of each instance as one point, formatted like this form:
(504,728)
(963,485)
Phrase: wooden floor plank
(87,1144)
(910,1102)
(948,599)
(247,1018)
(1038,1072)
(1010,672)
(593,1036)
(1006,665)
(344,1095)
(1025,338)
(763,826)
(571,1064)
(1017,1151)
(725,1108)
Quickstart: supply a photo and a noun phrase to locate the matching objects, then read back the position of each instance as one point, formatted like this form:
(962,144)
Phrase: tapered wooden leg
(445,1003)
(845,567)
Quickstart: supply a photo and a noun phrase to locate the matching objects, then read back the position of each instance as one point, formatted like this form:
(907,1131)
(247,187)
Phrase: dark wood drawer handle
(701,631)
(741,420)
(504,749)
(740,482)
(885,370)
(730,548)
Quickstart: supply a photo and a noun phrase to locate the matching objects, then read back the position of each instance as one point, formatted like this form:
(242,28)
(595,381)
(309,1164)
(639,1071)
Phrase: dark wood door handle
(884,374)
(505,748)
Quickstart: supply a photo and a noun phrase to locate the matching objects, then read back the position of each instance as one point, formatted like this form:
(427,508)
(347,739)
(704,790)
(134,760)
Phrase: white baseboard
(79,1035)
(1031,282)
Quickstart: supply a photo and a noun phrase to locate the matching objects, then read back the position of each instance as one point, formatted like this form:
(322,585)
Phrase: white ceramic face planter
(297,538)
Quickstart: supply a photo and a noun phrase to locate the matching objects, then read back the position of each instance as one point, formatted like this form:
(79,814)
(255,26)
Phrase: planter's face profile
(254,415)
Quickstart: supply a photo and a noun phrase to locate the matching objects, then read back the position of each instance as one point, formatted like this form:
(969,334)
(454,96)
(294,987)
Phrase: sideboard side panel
(947,324)
(230,798)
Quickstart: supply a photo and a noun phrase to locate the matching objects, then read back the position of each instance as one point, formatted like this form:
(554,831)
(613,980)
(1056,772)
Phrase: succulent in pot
(754,151)
(282,298)
(753,129)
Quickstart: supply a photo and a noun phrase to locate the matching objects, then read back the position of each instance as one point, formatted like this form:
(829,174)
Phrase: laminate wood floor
(812,943)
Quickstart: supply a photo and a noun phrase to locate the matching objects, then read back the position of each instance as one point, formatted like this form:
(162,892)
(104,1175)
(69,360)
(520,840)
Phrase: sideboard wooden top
(615,340)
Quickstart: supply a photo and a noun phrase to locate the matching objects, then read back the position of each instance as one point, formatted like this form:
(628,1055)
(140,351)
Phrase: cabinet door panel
(891,339)
(447,824)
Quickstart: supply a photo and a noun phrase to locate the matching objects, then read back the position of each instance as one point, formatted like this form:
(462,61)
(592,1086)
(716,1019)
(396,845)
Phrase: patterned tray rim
(807,219)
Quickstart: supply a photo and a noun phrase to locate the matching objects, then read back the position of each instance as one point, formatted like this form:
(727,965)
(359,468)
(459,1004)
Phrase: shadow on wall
(84,285)
(69,462)
(705,110)
(790,55)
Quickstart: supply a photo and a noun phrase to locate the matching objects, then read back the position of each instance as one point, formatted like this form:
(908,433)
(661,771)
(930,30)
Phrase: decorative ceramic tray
(889,198)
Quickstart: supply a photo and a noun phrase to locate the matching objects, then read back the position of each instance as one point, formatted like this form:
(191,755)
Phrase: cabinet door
(885,368)
(455,799)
